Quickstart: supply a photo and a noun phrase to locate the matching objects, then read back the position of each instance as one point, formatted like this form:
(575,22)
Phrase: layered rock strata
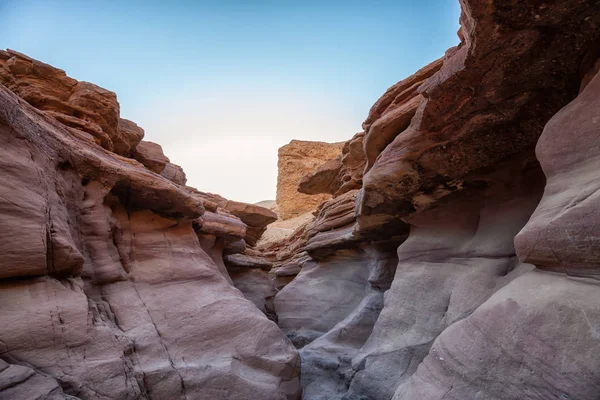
(112,282)
(516,66)
(439,277)
(453,253)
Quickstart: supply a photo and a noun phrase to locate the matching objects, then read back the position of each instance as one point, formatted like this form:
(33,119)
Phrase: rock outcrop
(20,382)
(393,112)
(515,67)
(449,251)
(297,159)
(174,173)
(339,175)
(112,280)
(89,110)
(151,156)
(439,277)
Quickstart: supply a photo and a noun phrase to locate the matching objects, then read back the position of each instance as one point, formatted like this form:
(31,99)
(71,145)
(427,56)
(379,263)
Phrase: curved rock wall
(443,262)
(517,65)
(112,283)
(491,297)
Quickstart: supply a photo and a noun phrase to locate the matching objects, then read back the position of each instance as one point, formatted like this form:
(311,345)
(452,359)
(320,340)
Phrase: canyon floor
(449,250)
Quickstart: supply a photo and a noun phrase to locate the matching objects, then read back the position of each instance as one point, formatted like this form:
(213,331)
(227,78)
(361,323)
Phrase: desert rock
(82,106)
(112,272)
(448,251)
(339,175)
(481,300)
(297,159)
(151,155)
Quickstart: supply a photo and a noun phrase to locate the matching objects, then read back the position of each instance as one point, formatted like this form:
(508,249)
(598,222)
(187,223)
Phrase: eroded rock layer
(297,159)
(518,63)
(434,276)
(452,252)
(113,284)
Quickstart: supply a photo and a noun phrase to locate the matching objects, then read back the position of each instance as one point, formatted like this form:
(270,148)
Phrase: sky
(221,85)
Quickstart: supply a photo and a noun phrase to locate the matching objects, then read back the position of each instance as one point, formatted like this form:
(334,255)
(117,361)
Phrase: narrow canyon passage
(449,250)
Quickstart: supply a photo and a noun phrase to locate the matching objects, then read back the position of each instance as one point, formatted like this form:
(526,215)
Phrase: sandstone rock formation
(449,251)
(112,281)
(516,66)
(393,112)
(255,217)
(297,159)
(151,155)
(339,175)
(91,111)
(20,382)
(467,307)
(174,173)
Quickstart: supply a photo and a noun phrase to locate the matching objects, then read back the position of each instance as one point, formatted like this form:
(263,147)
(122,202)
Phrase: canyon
(449,250)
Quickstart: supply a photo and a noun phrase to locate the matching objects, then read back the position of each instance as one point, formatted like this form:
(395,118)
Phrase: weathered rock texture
(91,111)
(112,280)
(453,253)
(297,159)
(339,175)
(562,234)
(433,275)
(174,173)
(392,113)
(517,65)
(151,155)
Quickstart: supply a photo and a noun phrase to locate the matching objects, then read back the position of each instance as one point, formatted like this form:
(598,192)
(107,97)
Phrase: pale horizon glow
(222,85)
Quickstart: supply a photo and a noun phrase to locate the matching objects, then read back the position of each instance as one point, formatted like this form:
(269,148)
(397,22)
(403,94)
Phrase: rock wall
(339,175)
(439,278)
(297,159)
(453,252)
(112,279)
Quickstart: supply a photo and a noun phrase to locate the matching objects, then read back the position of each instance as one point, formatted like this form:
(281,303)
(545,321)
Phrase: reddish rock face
(82,106)
(255,217)
(339,175)
(20,382)
(464,317)
(131,135)
(392,113)
(410,282)
(112,283)
(151,155)
(297,159)
(517,65)
(174,173)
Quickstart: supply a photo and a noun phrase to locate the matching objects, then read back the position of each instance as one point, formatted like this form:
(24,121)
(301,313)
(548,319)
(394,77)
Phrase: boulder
(130,135)
(151,155)
(255,217)
(174,173)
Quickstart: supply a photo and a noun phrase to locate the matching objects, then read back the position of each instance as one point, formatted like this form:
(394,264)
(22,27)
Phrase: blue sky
(221,85)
